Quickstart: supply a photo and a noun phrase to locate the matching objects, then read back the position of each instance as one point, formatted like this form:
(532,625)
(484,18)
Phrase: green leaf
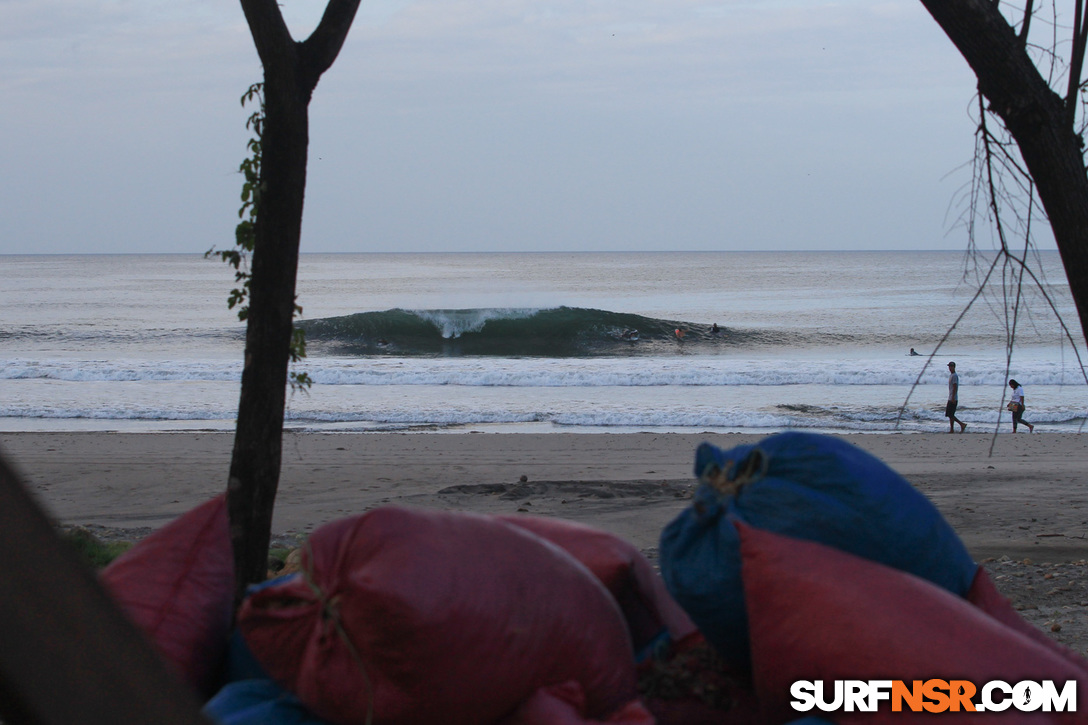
(245,230)
(300,381)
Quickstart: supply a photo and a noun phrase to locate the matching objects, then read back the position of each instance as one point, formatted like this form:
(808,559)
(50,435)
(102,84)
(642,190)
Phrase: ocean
(536,343)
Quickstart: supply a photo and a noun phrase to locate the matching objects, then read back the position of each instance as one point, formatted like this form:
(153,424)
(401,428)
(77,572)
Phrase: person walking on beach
(953,400)
(1016,405)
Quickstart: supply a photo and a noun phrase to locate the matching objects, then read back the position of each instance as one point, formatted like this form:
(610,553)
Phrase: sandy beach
(1022,510)
(1028,499)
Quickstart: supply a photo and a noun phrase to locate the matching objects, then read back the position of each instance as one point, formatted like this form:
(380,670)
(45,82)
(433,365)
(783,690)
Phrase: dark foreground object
(73,657)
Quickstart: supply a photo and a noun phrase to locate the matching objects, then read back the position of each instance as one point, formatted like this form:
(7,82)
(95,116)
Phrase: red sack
(620,566)
(818,613)
(564,704)
(177,585)
(437,617)
(648,608)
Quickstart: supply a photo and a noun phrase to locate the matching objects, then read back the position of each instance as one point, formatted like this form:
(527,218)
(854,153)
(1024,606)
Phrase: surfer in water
(679,333)
(914,352)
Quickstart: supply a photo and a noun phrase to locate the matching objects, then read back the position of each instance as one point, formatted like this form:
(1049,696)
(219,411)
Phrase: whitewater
(540,342)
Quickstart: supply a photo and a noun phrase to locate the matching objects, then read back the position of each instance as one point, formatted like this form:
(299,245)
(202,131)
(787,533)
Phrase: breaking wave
(520,332)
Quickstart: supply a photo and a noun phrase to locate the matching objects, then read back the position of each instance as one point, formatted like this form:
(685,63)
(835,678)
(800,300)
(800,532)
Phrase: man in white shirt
(953,400)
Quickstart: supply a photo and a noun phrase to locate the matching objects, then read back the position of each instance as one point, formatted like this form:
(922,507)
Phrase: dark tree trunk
(291,72)
(1038,120)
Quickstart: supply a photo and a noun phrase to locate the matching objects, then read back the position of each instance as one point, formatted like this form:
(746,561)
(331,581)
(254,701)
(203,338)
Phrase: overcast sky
(491,125)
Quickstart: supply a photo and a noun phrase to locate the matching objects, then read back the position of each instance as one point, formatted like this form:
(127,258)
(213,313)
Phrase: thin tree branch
(1076,61)
(1028,11)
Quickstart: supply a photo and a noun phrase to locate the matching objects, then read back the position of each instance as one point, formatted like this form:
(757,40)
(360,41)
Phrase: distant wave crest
(518,332)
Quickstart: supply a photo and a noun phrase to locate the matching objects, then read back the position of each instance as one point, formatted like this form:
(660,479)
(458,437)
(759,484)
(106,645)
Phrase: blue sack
(809,487)
(258,702)
(250,697)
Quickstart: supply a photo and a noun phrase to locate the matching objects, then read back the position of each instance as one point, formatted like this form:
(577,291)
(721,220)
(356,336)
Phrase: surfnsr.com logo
(933,696)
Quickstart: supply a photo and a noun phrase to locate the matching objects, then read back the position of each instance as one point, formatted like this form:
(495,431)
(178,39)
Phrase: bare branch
(1028,11)
(1076,61)
(321,48)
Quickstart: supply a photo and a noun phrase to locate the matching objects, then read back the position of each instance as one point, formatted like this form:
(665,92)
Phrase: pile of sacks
(801,558)
(408,616)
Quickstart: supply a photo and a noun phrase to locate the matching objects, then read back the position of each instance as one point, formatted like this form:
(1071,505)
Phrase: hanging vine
(245,233)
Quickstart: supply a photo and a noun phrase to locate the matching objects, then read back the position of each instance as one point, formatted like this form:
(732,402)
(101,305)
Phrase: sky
(495,125)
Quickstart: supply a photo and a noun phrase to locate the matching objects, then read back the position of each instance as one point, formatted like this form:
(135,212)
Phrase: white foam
(454,323)
(547,372)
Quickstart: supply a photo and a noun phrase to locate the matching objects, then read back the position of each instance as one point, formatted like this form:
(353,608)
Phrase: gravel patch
(1053,597)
